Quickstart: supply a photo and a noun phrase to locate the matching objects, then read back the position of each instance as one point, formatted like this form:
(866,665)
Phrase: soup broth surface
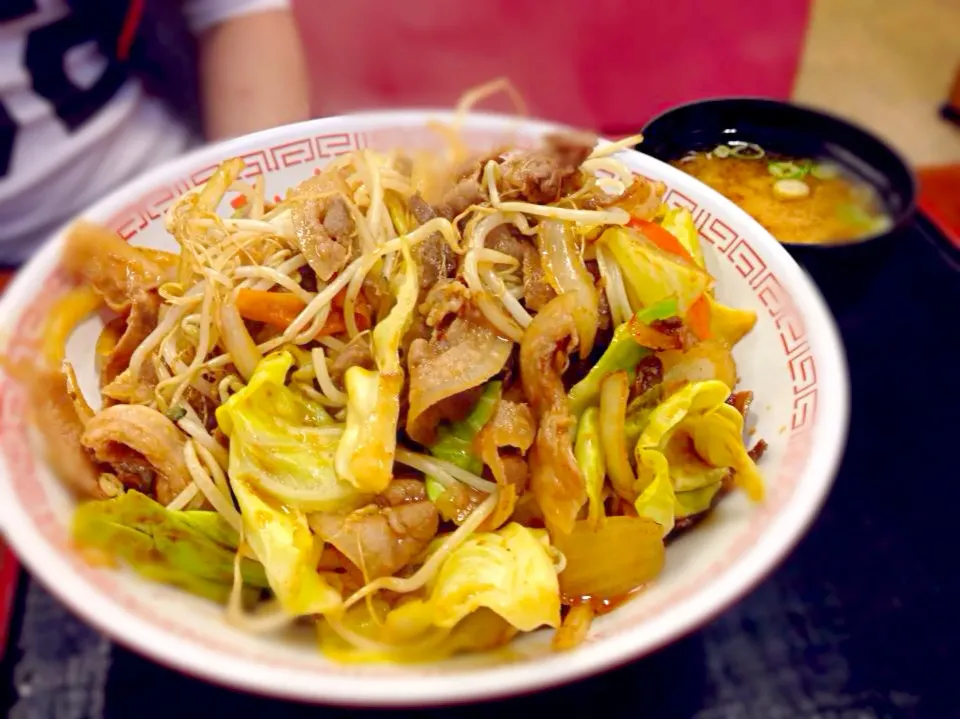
(797,200)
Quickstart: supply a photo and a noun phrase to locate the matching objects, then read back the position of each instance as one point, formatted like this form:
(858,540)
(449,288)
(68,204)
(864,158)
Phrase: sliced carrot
(238,202)
(660,237)
(698,318)
(274,308)
(281,308)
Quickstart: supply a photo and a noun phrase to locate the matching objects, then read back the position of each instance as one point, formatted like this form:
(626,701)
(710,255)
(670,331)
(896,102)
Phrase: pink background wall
(603,64)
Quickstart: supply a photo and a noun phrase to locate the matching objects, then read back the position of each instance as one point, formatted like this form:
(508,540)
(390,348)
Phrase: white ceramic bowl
(793,360)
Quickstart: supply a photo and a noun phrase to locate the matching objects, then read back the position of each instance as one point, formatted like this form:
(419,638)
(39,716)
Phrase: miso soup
(798,200)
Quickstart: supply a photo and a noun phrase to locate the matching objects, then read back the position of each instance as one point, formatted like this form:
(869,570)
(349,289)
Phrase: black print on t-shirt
(44,58)
(16,9)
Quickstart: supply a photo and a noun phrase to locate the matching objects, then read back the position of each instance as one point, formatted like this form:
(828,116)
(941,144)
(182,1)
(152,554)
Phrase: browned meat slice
(458,198)
(515,471)
(357,353)
(128,389)
(326,244)
(435,258)
(571,148)
(548,173)
(115,269)
(556,479)
(143,446)
(59,419)
(386,535)
(144,311)
(473,167)
(338,221)
(445,298)
(456,503)
(537,292)
(641,199)
(674,328)
(505,239)
(512,427)
(649,375)
(421,209)
(459,358)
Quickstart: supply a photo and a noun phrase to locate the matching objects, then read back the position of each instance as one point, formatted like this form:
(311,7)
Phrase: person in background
(93,92)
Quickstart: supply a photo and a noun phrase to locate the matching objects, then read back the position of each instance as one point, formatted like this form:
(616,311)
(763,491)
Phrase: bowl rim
(51,566)
(903,217)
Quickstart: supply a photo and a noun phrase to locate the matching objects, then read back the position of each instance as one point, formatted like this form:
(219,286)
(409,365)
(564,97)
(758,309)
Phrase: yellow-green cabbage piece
(281,540)
(190,549)
(691,441)
(492,585)
(651,275)
(284,443)
(366,451)
(589,456)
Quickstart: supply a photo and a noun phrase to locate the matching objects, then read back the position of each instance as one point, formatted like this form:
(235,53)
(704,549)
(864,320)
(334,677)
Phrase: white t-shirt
(60,149)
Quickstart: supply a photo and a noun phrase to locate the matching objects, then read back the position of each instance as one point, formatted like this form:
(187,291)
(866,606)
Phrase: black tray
(861,621)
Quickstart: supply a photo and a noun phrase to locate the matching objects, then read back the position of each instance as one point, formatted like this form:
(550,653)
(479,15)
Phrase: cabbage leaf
(690,443)
(492,585)
(590,458)
(193,550)
(281,539)
(651,275)
(284,443)
(509,572)
(366,451)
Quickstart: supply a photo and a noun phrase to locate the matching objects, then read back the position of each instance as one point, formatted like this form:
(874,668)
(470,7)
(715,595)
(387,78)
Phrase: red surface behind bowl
(609,66)
(9,569)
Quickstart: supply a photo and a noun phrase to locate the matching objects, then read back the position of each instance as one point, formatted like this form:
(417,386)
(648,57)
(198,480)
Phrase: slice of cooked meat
(537,292)
(325,253)
(548,173)
(649,375)
(421,209)
(458,198)
(115,269)
(445,298)
(357,353)
(386,535)
(141,445)
(508,240)
(435,258)
(460,357)
(338,221)
(556,479)
(144,312)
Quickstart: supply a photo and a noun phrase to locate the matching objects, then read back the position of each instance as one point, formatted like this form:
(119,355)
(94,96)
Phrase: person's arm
(252,68)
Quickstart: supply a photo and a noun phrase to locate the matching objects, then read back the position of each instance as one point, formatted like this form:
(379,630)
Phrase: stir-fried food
(423,402)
